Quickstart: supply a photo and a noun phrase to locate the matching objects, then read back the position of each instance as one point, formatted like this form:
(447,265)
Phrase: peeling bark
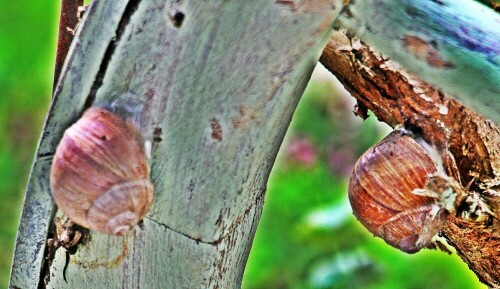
(451,44)
(398,97)
(68,22)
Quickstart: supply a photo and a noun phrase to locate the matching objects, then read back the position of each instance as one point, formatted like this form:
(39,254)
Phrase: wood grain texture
(454,45)
(400,98)
(219,82)
(38,206)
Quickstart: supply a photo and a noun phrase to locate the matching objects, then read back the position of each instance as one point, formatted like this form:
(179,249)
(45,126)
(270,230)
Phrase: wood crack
(108,55)
(197,240)
(231,228)
(47,258)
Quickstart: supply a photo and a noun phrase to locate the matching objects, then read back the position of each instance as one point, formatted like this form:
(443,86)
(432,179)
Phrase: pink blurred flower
(302,151)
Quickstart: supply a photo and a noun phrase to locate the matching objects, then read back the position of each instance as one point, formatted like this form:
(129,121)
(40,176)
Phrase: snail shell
(100,173)
(383,193)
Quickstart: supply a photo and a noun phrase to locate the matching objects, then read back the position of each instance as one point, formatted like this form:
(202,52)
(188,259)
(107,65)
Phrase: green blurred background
(307,237)
(27,53)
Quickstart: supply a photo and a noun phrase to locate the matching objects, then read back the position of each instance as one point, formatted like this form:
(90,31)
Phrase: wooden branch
(454,45)
(68,21)
(399,98)
(218,93)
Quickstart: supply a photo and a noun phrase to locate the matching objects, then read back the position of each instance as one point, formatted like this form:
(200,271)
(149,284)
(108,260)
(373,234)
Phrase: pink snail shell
(100,173)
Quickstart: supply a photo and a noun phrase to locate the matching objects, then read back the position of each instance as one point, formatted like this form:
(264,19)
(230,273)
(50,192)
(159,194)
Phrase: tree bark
(398,97)
(68,22)
(218,91)
(454,45)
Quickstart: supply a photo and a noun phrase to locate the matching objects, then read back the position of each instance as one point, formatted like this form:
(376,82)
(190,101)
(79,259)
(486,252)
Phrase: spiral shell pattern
(382,193)
(100,173)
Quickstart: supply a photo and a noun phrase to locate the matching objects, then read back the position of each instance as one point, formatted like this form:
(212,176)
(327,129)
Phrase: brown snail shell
(382,192)
(100,173)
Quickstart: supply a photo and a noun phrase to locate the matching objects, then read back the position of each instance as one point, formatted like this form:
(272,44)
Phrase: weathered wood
(454,45)
(38,206)
(398,97)
(219,81)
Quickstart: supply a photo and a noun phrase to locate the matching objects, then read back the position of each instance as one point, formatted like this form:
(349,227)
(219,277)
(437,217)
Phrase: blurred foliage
(307,237)
(27,54)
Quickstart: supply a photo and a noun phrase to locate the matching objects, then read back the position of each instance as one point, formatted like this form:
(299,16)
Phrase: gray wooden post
(219,81)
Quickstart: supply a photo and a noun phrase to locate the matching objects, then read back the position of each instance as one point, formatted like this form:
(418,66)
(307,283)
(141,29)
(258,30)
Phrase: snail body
(100,173)
(393,191)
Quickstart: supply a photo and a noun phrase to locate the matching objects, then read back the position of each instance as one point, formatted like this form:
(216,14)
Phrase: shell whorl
(100,173)
(390,192)
(121,207)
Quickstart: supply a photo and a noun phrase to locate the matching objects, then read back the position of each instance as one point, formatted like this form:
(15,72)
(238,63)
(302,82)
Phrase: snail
(100,173)
(400,192)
